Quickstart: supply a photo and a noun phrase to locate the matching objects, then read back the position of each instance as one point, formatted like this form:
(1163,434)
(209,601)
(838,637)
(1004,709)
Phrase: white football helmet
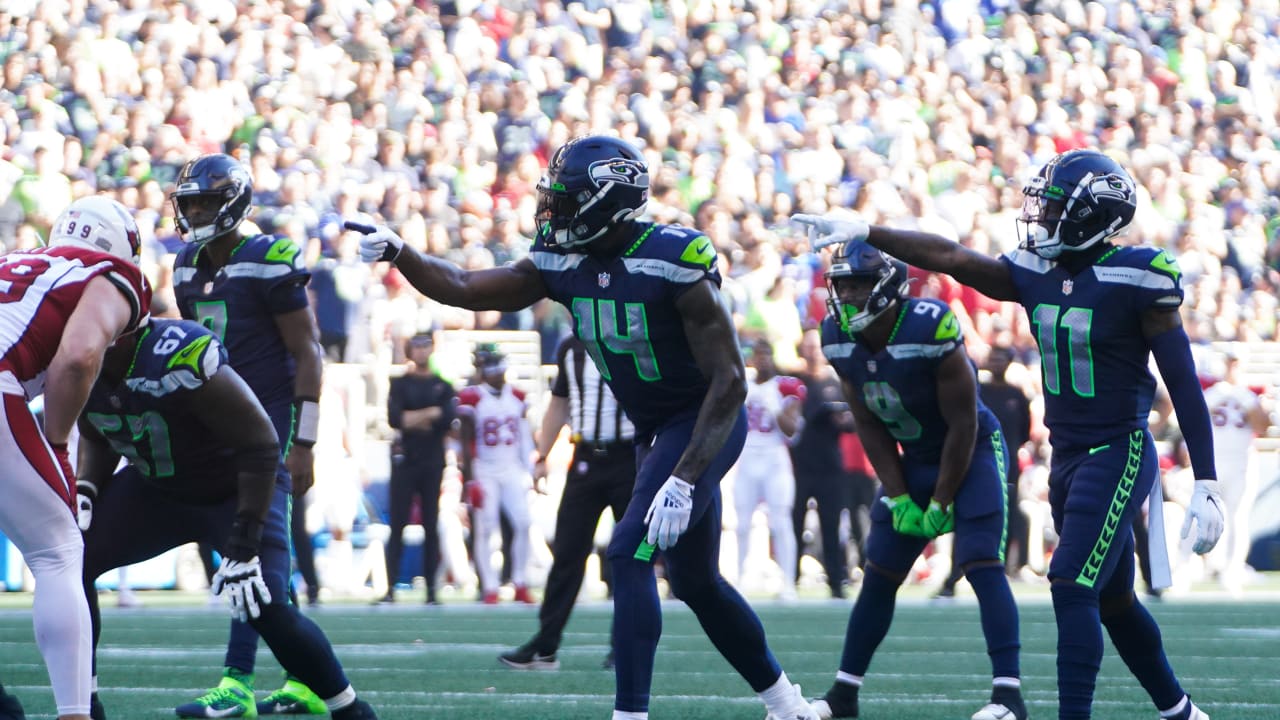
(98,223)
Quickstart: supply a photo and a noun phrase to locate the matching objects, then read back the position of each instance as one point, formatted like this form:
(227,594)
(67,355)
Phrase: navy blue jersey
(264,277)
(148,417)
(624,311)
(1097,385)
(898,383)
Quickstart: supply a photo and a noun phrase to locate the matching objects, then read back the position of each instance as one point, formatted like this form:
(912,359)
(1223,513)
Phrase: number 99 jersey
(898,383)
(148,417)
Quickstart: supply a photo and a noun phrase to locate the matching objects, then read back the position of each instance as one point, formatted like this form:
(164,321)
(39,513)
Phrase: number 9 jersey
(147,418)
(898,383)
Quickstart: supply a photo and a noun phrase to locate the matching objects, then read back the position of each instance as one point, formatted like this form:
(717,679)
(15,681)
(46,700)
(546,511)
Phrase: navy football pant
(132,522)
(1095,495)
(980,535)
(693,570)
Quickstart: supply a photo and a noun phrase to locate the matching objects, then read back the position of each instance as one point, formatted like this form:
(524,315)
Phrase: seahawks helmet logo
(1111,187)
(619,170)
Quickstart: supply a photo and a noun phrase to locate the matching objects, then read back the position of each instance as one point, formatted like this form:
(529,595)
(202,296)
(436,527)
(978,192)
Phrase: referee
(600,476)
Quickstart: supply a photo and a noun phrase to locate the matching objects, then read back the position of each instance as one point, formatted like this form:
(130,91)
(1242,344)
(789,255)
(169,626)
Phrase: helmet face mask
(862,273)
(213,196)
(592,185)
(1079,199)
(98,223)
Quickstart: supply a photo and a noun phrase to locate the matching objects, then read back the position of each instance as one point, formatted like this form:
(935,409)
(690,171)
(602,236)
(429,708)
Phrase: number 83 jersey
(898,383)
(148,417)
(1097,385)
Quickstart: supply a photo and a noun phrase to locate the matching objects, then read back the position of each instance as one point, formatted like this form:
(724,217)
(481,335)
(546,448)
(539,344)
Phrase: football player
(910,384)
(251,292)
(764,472)
(497,462)
(60,308)
(202,467)
(645,300)
(1099,310)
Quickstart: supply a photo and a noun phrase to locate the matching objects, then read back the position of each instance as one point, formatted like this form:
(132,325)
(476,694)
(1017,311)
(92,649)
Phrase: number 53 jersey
(1097,385)
(898,384)
(148,417)
(624,311)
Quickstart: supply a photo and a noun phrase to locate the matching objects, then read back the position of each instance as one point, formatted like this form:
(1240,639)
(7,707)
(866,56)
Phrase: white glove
(669,513)
(84,511)
(824,231)
(378,243)
(86,493)
(244,586)
(1206,511)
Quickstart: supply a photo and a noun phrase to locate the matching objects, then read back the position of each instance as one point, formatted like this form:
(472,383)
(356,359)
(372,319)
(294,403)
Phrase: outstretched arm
(709,329)
(928,251)
(511,287)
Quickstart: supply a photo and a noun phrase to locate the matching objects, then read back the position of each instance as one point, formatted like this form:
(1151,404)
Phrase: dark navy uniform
(180,486)
(263,278)
(897,384)
(624,311)
(1098,393)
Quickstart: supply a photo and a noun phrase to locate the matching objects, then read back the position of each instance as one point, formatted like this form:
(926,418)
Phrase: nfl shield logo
(603,279)
(871,366)
(1067,285)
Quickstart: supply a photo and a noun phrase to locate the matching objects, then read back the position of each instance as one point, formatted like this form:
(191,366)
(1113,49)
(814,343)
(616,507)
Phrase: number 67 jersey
(1097,385)
(148,417)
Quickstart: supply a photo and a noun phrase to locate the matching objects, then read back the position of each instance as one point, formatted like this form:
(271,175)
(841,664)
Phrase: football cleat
(232,698)
(526,657)
(1193,713)
(841,701)
(358,710)
(524,596)
(96,710)
(292,699)
(1006,704)
(799,709)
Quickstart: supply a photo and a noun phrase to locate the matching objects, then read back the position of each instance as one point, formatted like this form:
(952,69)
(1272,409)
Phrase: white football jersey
(764,404)
(502,440)
(39,289)
(1229,407)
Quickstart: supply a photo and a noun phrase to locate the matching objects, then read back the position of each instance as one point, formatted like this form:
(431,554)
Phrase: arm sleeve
(1172,351)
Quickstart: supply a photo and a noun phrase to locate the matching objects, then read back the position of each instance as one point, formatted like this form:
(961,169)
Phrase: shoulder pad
(469,396)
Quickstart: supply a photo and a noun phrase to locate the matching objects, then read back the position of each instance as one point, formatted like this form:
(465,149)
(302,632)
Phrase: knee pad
(67,557)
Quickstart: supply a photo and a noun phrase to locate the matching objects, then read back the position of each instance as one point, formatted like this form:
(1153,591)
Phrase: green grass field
(418,663)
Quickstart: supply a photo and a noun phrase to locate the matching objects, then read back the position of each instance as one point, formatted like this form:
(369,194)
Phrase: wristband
(306,417)
(245,538)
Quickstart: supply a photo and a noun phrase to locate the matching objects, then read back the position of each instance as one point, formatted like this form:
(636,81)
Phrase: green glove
(938,520)
(906,514)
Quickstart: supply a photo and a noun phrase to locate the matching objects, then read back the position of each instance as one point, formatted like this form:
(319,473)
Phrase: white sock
(1009,682)
(1176,709)
(847,679)
(341,700)
(626,715)
(780,696)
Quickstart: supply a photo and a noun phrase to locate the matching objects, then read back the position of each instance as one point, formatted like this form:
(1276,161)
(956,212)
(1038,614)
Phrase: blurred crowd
(437,119)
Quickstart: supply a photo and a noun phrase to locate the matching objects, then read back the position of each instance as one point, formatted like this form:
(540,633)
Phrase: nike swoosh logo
(229,712)
(1100,448)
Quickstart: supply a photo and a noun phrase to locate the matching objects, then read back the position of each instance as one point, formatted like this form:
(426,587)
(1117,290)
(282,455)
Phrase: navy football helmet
(489,359)
(1079,199)
(857,260)
(214,195)
(592,184)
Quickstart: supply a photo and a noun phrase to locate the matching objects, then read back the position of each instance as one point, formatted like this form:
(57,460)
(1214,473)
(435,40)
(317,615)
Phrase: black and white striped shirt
(594,415)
